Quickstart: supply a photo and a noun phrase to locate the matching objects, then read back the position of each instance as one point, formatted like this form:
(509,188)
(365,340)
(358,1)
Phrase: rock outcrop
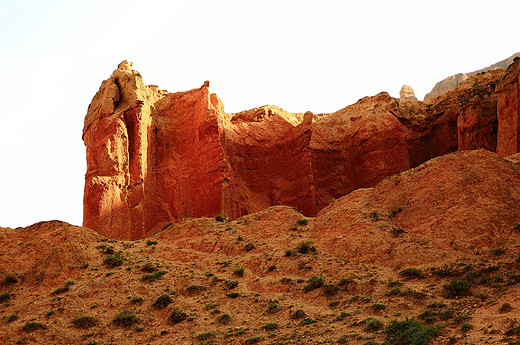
(406,94)
(453,81)
(155,157)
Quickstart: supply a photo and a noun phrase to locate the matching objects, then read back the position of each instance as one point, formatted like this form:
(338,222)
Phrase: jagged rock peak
(406,94)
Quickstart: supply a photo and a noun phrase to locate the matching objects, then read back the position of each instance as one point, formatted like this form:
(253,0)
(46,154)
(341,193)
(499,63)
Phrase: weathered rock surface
(406,94)
(155,157)
(453,81)
(508,109)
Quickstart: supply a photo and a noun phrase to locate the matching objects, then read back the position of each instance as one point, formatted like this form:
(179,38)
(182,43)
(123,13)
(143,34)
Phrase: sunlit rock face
(155,157)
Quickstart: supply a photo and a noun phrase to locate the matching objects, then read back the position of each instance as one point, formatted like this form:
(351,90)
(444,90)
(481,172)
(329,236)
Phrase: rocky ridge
(155,157)
(453,81)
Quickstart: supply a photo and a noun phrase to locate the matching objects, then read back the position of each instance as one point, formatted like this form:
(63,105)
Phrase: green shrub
(273,307)
(411,272)
(457,288)
(5,297)
(206,335)
(253,340)
(114,260)
(10,279)
(239,271)
(167,225)
(250,246)
(126,318)
(151,243)
(372,324)
(12,317)
(177,316)
(298,314)
(378,306)
(302,221)
(151,277)
(84,322)
(498,251)
(465,327)
(149,268)
(136,300)
(410,332)
(196,288)
(231,284)
(66,287)
(307,321)
(270,326)
(32,326)
(305,247)
(224,318)
(162,301)
(313,283)
(374,215)
(505,308)
(233,294)
(219,218)
(330,289)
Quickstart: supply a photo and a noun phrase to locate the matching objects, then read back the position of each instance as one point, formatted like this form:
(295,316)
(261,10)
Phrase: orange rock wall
(155,157)
(508,94)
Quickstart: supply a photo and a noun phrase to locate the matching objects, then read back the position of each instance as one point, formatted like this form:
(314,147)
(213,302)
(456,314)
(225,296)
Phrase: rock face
(453,81)
(508,108)
(406,94)
(155,157)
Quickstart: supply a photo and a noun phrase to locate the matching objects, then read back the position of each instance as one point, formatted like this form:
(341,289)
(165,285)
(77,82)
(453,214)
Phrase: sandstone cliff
(155,157)
(453,81)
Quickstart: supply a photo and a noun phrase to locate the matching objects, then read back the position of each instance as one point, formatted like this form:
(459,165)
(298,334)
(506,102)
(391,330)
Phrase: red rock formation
(508,93)
(155,157)
(357,146)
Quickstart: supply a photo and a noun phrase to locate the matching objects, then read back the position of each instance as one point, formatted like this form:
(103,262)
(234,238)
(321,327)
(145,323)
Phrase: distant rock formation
(406,94)
(155,157)
(453,81)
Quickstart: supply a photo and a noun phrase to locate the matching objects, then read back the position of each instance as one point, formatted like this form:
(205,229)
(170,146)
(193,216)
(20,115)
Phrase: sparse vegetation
(373,324)
(177,316)
(85,322)
(162,301)
(305,247)
(114,260)
(206,335)
(31,326)
(410,332)
(151,277)
(302,221)
(224,318)
(136,300)
(233,294)
(457,288)
(298,314)
(411,272)
(231,284)
(239,271)
(13,317)
(196,288)
(5,297)
(64,288)
(273,307)
(313,283)
(126,318)
(249,246)
(307,321)
(270,326)
(151,243)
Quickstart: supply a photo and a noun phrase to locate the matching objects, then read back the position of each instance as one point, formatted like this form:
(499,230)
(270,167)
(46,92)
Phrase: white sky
(299,55)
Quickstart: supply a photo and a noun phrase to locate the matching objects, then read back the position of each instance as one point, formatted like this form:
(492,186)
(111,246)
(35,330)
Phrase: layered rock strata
(155,157)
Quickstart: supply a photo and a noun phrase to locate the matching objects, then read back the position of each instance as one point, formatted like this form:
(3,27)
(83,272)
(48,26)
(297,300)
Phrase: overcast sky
(300,55)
